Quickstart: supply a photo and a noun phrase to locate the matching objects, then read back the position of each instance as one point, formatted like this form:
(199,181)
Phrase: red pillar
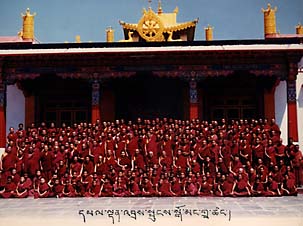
(2,116)
(269,101)
(29,109)
(95,101)
(292,110)
(193,100)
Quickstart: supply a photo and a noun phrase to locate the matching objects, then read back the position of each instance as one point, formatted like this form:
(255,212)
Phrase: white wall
(15,108)
(300,104)
(281,109)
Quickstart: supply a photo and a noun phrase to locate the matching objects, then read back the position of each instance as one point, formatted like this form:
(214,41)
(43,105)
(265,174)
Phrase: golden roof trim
(177,27)
(128,25)
(181,26)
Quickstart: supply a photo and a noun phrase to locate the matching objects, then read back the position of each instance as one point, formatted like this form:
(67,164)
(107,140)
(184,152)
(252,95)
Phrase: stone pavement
(276,211)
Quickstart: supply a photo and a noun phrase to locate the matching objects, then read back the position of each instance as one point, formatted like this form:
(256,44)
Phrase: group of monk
(160,157)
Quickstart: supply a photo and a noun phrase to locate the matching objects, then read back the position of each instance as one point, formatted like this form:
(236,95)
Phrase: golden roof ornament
(160,11)
(270,20)
(159,26)
(28,25)
(150,27)
(299,29)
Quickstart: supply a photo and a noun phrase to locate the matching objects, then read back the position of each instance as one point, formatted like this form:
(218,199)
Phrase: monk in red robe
(132,144)
(106,189)
(205,189)
(76,166)
(272,188)
(138,160)
(46,162)
(176,187)
(164,188)
(190,188)
(43,190)
(147,188)
(22,190)
(241,187)
(124,161)
(288,186)
(8,161)
(133,188)
(120,188)
(88,165)
(33,161)
(57,188)
(9,189)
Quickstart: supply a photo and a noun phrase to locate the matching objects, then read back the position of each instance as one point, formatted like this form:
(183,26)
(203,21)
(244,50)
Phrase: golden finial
(176,10)
(110,34)
(28,13)
(270,20)
(28,25)
(78,39)
(209,33)
(269,9)
(160,11)
(299,29)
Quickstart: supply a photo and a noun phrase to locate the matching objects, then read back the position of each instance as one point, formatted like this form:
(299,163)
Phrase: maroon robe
(43,191)
(176,188)
(147,189)
(9,190)
(8,161)
(134,189)
(165,189)
(33,163)
(132,145)
(205,189)
(107,190)
(23,189)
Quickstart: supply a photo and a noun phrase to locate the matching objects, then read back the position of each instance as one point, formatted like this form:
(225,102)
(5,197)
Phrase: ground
(277,211)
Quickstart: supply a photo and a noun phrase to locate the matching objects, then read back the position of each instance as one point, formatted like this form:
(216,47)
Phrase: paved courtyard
(192,211)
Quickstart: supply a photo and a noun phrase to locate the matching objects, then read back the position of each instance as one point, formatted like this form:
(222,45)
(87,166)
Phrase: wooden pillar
(292,110)
(29,109)
(95,101)
(193,100)
(2,112)
(108,105)
(292,102)
(269,101)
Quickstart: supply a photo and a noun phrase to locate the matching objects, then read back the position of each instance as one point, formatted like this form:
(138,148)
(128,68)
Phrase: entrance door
(233,107)
(148,96)
(233,97)
(61,100)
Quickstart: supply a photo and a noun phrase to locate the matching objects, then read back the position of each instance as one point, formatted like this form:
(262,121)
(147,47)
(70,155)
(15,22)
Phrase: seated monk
(258,188)
(93,190)
(176,186)
(272,188)
(164,188)
(190,188)
(133,188)
(225,186)
(43,190)
(205,189)
(57,188)
(68,190)
(9,189)
(106,189)
(120,189)
(22,190)
(147,188)
(288,186)
(241,187)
